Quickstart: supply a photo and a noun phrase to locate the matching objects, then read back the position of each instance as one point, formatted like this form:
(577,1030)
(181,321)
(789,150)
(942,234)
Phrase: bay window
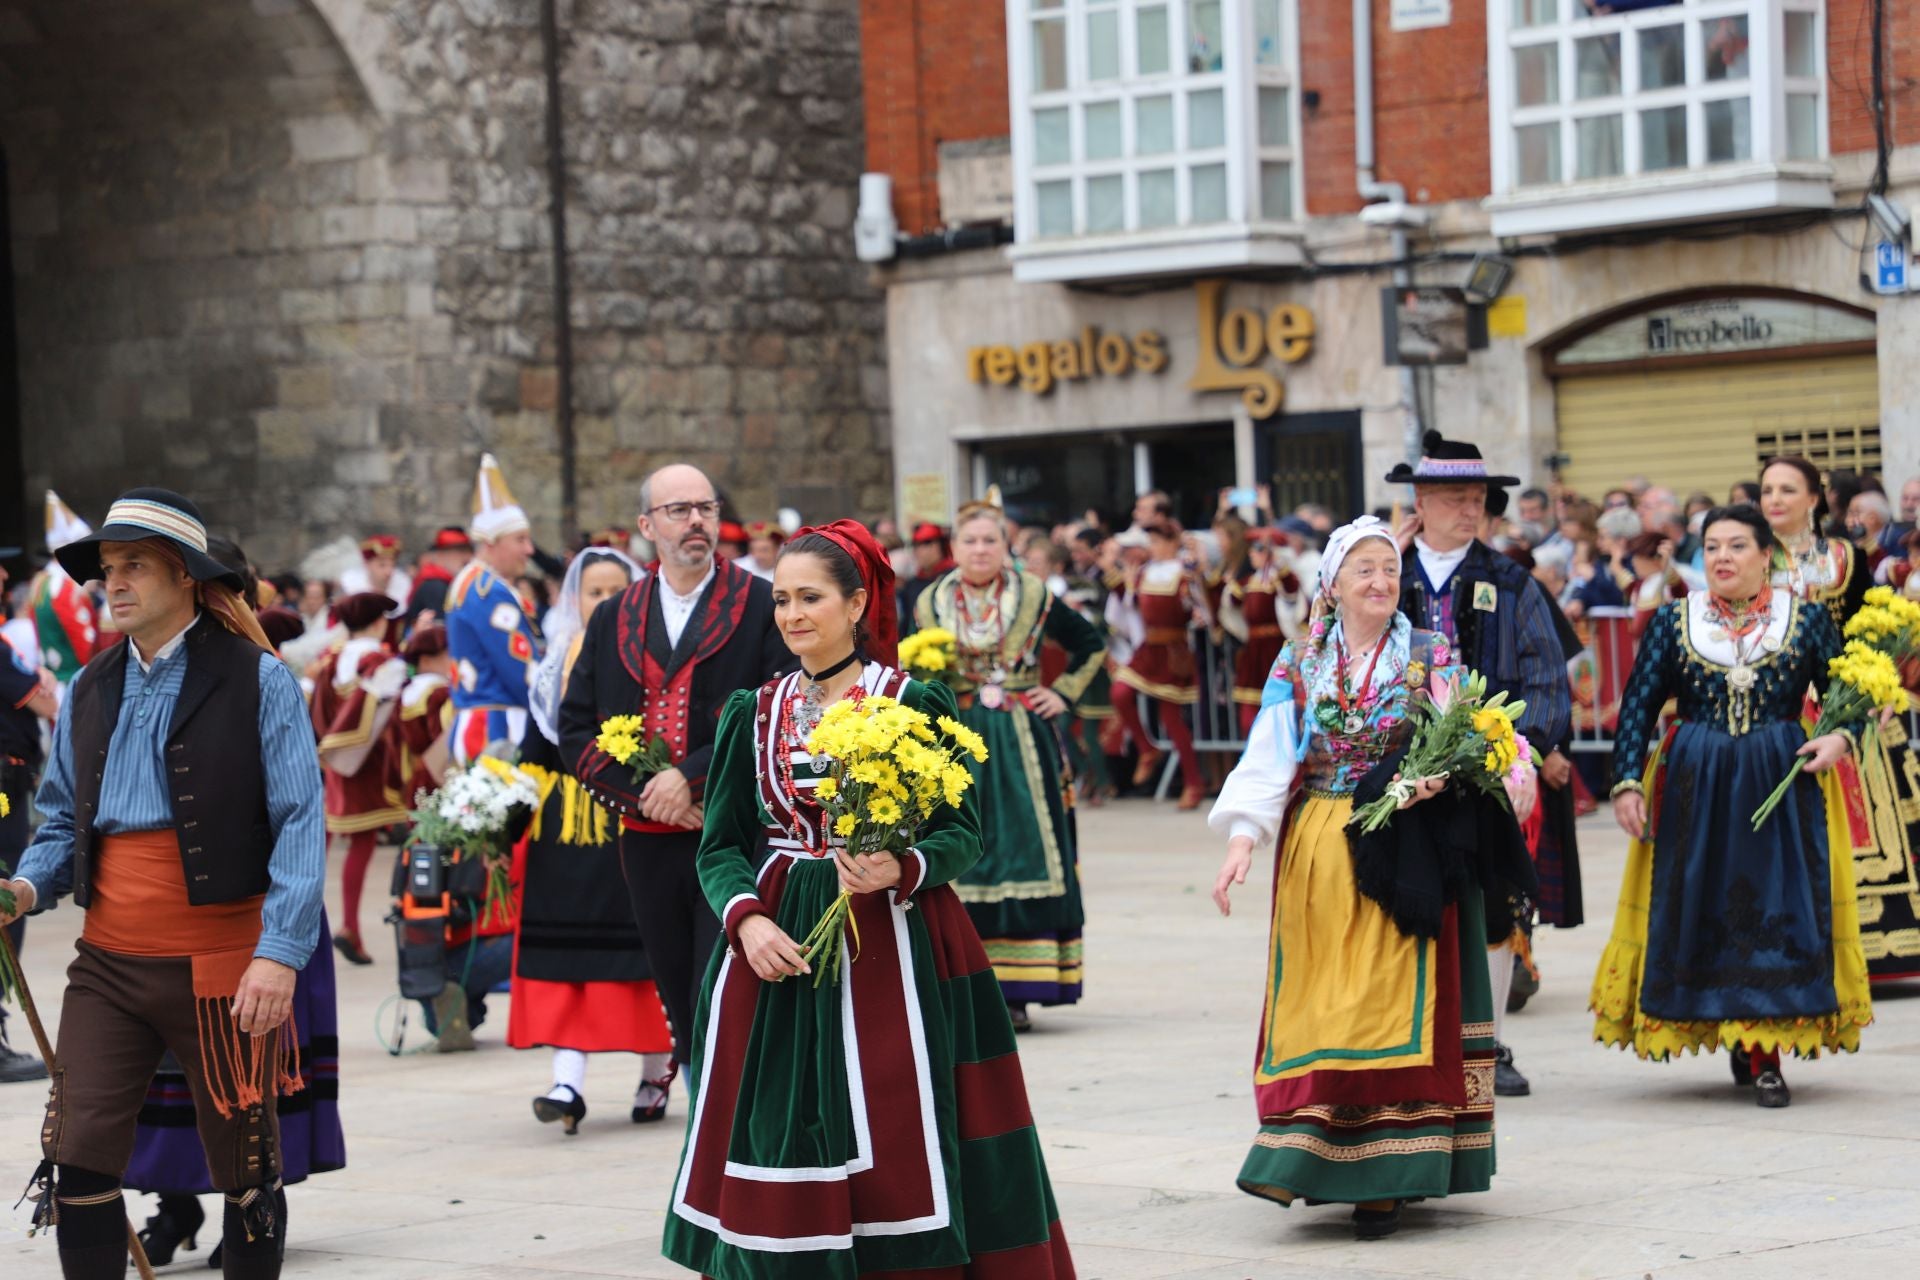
(1630,111)
(1152,136)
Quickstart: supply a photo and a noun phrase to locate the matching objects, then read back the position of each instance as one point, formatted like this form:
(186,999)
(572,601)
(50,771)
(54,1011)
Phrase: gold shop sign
(1039,365)
(1233,347)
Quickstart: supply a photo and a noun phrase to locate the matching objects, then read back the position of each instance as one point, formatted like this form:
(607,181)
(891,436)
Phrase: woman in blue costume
(1727,937)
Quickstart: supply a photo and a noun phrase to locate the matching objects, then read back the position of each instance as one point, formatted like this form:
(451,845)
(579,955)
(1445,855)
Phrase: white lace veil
(549,678)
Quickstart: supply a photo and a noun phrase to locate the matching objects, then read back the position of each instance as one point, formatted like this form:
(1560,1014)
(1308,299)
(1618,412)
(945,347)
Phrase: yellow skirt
(1347,990)
(1615,1000)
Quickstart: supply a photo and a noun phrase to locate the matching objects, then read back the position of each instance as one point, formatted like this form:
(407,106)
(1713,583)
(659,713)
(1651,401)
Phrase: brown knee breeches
(121,1013)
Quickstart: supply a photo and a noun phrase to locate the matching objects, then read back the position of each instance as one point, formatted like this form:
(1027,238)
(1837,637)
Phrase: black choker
(819,676)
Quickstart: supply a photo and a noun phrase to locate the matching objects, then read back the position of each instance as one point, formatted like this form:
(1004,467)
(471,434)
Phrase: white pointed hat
(63,527)
(495,514)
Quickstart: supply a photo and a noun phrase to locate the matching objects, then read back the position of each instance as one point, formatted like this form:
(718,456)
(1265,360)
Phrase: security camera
(1394,213)
(1890,216)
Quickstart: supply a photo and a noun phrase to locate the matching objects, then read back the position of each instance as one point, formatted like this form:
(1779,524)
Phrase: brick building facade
(1763,200)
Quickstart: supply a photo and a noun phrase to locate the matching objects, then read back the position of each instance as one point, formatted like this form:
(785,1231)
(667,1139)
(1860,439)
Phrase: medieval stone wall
(292,256)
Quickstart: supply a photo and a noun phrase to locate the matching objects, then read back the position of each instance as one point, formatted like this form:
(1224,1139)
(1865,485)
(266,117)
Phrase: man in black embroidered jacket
(1501,624)
(671,648)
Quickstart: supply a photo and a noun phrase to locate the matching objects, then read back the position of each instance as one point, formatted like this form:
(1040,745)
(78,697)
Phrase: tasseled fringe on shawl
(584,821)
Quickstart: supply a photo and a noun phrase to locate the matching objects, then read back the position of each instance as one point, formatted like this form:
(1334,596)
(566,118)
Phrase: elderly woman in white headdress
(580,978)
(1374,1072)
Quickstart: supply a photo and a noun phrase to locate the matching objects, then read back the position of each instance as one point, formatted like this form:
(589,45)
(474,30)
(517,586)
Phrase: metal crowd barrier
(1598,676)
(1215,718)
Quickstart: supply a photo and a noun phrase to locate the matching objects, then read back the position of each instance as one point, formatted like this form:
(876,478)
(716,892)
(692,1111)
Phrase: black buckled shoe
(1376,1224)
(1507,1080)
(1770,1090)
(547,1109)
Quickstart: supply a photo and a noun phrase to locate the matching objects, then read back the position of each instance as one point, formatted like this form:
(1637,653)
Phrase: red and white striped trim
(158,517)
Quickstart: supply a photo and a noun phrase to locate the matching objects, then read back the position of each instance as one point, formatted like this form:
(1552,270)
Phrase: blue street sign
(1890,267)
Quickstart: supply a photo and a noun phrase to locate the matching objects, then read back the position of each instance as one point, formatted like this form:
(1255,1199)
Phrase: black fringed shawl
(1430,854)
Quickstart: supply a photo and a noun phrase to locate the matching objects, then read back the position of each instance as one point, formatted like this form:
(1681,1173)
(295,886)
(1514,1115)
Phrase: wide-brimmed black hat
(1444,461)
(140,514)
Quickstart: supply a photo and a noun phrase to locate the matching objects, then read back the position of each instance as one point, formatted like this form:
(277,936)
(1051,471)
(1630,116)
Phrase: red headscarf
(876,575)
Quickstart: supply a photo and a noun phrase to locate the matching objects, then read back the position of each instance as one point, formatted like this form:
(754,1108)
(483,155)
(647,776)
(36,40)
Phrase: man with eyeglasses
(670,648)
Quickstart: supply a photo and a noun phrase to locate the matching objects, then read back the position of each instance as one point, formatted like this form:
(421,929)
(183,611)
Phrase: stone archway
(204,287)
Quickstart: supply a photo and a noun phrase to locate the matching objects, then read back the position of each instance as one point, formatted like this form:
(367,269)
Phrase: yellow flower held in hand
(884,811)
(827,789)
(844,824)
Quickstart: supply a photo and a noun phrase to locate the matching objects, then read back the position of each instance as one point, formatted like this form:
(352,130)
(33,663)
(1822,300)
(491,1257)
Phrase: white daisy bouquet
(473,811)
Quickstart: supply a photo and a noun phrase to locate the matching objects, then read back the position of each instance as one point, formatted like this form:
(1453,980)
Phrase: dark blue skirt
(167,1155)
(1740,925)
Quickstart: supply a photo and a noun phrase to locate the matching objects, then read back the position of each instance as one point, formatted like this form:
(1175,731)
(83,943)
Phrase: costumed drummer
(193,835)
(490,628)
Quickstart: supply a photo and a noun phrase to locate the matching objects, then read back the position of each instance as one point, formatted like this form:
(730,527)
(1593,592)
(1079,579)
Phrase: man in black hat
(1501,624)
(183,811)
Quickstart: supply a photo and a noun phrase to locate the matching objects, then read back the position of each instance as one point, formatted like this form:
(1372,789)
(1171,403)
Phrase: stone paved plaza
(1612,1168)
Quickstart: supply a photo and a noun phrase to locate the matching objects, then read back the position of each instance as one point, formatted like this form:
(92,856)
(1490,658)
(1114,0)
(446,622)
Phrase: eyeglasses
(678,512)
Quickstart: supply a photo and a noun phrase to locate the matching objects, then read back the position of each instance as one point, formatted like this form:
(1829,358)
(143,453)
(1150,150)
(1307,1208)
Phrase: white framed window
(1151,123)
(1589,107)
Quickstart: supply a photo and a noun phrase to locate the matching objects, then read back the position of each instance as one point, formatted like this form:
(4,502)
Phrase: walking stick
(134,1246)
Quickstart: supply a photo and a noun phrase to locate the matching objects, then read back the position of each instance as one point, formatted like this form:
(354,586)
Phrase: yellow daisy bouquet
(1461,733)
(1865,677)
(624,740)
(930,655)
(892,768)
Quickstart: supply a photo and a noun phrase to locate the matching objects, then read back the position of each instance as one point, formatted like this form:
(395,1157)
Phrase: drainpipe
(1371,189)
(562,274)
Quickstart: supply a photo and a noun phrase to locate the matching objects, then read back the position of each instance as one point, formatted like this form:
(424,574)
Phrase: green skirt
(1024,893)
(873,1125)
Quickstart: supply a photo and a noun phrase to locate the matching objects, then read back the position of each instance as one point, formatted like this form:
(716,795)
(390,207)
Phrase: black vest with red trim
(628,666)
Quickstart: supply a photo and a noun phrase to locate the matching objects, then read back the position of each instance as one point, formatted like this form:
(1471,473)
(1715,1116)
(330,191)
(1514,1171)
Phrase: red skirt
(592,1017)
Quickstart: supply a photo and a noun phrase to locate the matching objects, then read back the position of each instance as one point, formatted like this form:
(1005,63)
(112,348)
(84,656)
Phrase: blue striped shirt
(133,795)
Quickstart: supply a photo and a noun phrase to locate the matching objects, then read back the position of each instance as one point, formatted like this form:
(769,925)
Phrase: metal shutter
(1707,427)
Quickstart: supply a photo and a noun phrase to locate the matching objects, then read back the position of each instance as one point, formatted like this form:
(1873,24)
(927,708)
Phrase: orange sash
(140,908)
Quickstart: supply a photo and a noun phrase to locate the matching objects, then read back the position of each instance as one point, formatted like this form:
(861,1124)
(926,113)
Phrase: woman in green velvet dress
(876,1123)
(1024,893)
